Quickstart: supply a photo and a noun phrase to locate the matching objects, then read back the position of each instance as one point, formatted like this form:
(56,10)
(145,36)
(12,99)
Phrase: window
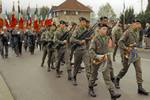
(72,12)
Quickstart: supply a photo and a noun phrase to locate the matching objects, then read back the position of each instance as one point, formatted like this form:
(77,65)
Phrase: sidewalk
(5,93)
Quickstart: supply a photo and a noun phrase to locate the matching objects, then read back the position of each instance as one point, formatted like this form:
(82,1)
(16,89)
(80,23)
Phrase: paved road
(28,81)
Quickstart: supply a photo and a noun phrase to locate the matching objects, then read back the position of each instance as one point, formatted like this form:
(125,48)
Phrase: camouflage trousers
(79,56)
(106,76)
(63,54)
(44,55)
(137,65)
(4,51)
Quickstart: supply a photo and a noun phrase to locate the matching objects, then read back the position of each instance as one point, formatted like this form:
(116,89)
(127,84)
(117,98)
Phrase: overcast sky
(117,5)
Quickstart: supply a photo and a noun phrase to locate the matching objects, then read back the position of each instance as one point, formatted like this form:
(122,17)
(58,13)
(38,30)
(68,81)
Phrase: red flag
(48,21)
(1,22)
(29,22)
(13,21)
(7,23)
(42,22)
(21,23)
(36,25)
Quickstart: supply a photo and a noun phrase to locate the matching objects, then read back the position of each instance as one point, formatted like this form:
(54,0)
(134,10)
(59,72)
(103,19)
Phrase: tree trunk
(148,6)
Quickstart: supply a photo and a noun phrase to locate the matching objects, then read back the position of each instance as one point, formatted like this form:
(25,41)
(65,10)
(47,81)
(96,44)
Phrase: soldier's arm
(74,39)
(122,41)
(92,49)
(57,37)
(43,36)
(115,31)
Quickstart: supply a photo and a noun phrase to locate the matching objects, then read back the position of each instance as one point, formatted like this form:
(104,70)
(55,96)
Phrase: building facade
(70,11)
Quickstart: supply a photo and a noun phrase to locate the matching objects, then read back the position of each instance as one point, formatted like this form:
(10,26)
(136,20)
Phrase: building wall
(72,18)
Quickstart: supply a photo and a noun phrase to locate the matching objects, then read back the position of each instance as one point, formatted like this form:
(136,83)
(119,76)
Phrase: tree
(128,16)
(44,11)
(148,6)
(145,16)
(106,10)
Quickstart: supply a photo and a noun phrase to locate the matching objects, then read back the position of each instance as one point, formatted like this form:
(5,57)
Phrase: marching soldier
(116,34)
(50,47)
(25,38)
(104,21)
(99,53)
(42,30)
(39,45)
(127,44)
(44,45)
(31,40)
(17,41)
(81,52)
(4,39)
(61,30)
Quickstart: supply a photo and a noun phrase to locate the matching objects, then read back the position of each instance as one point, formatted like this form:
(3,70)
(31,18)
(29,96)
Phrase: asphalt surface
(28,81)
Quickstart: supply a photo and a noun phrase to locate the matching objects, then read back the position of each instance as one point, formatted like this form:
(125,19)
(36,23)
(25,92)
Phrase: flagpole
(124,16)
(141,5)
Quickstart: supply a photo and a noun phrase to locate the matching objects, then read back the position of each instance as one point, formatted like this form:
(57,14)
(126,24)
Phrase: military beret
(62,22)
(104,17)
(102,25)
(82,19)
(136,20)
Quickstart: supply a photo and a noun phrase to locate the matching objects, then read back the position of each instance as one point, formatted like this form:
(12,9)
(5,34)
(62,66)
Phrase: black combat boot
(69,75)
(114,95)
(59,73)
(42,64)
(52,66)
(91,92)
(49,69)
(141,90)
(74,81)
(117,83)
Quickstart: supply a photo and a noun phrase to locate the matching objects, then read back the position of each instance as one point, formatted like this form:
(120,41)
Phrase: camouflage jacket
(74,38)
(129,37)
(116,34)
(99,46)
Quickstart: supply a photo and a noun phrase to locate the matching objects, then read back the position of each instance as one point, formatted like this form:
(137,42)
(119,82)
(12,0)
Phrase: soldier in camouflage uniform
(116,34)
(104,21)
(50,47)
(31,40)
(44,46)
(127,44)
(68,52)
(99,53)
(17,40)
(4,39)
(81,53)
(60,51)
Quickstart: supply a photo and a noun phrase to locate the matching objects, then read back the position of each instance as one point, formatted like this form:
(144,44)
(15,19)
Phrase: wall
(72,18)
